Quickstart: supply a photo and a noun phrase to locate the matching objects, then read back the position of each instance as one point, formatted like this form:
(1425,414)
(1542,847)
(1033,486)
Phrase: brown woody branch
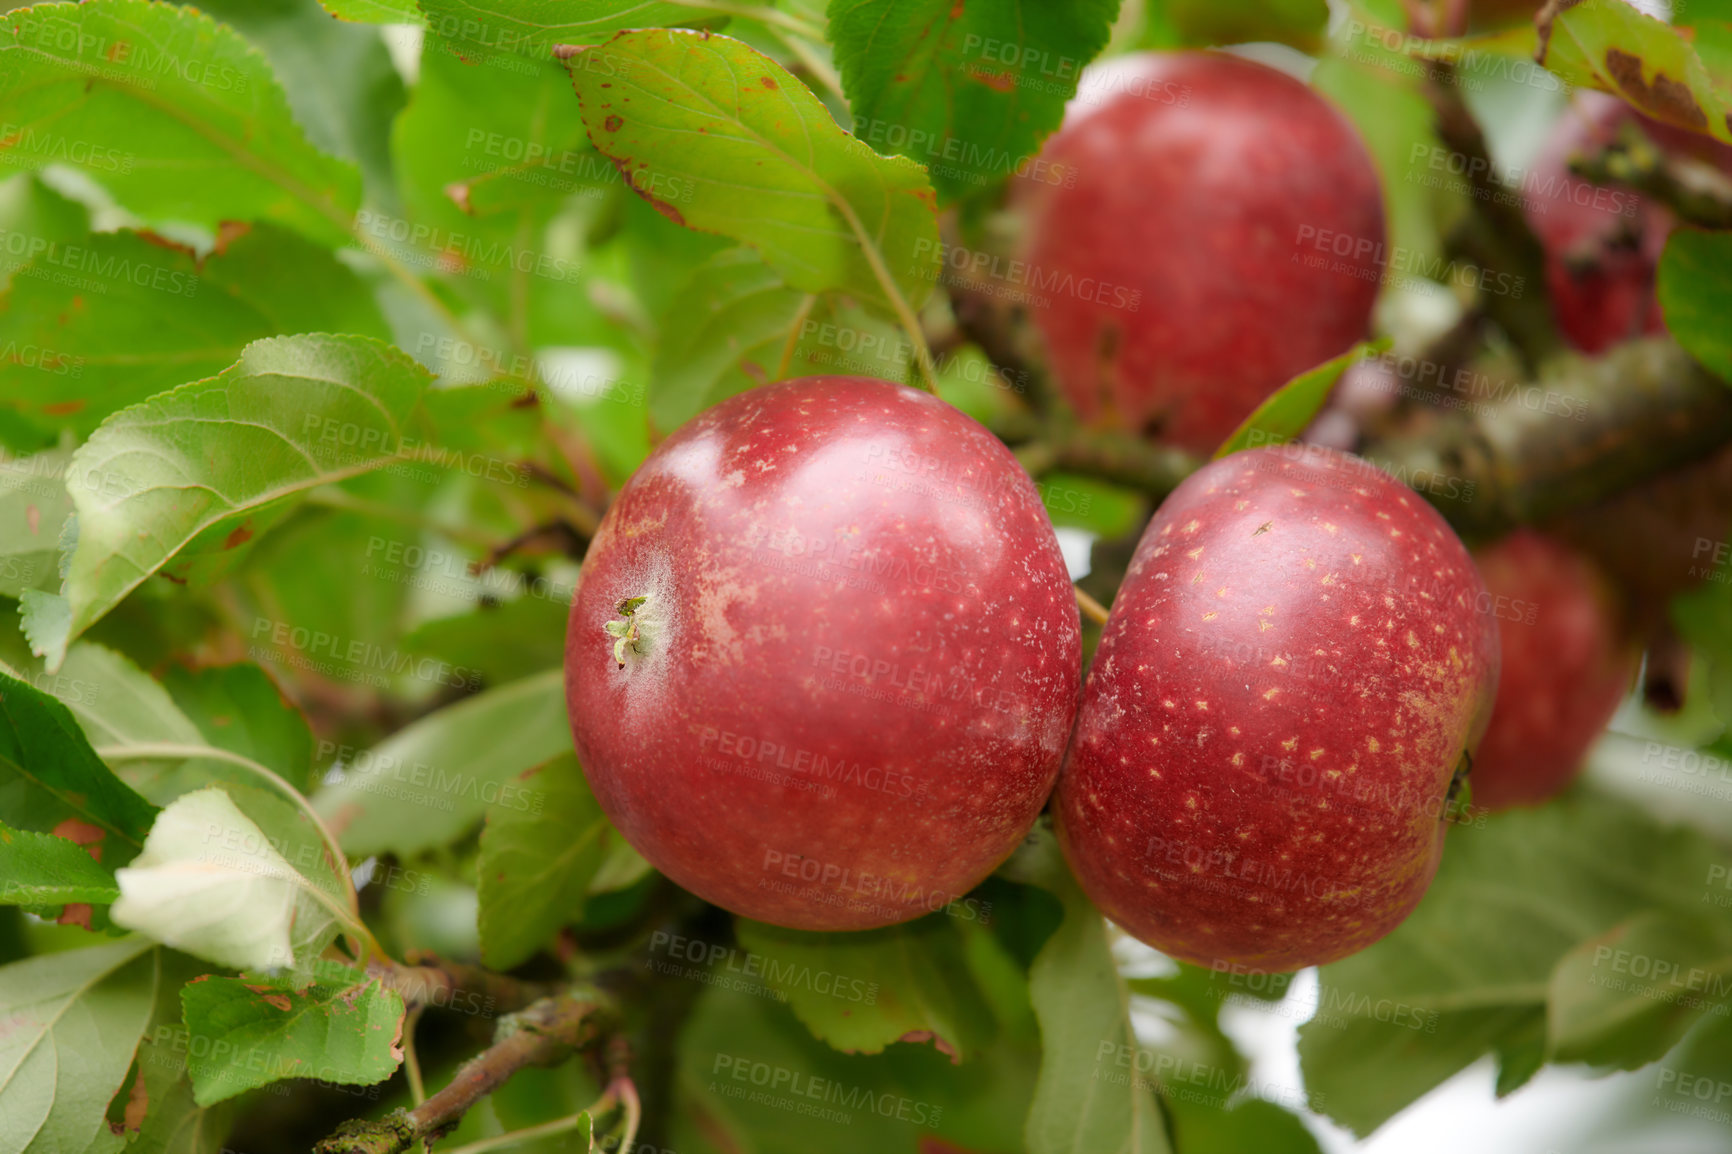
(441,984)
(1695,191)
(544,1034)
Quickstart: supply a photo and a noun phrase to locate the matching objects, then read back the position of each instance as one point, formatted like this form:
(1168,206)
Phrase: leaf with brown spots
(969,89)
(334,1030)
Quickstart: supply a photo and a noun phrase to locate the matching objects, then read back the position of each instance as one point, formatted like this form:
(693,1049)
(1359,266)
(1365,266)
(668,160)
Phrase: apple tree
(873,576)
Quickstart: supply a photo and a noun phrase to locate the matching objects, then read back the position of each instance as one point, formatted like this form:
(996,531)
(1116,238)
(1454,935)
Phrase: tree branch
(1696,192)
(544,1034)
(442,984)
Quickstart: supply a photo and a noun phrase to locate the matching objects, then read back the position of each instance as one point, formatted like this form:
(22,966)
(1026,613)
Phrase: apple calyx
(631,636)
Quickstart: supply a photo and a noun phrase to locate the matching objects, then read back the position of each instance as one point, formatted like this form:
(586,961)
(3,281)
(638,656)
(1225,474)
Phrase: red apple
(1565,669)
(1293,672)
(1207,230)
(1603,244)
(845,692)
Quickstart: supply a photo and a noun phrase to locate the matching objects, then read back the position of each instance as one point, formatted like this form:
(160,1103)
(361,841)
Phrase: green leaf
(339,79)
(144,315)
(37,869)
(1200,23)
(722,138)
(180,483)
(173,1123)
(859,992)
(1520,1055)
(34,505)
(538,860)
(453,765)
(375,11)
(1471,967)
(209,882)
(1695,287)
(1703,618)
(1625,998)
(176,115)
(39,218)
(73,1021)
(247,1033)
(502,642)
(1251,1124)
(1295,404)
(49,775)
(970,89)
(534,27)
(1090,1096)
(240,709)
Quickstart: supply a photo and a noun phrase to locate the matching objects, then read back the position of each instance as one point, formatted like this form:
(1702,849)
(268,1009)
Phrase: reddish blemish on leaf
(1665,99)
(228,232)
(76,914)
(613,124)
(161,241)
(82,833)
(240,536)
(956,9)
(458,191)
(940,1044)
(62,408)
(766,81)
(33,517)
(997,81)
(667,210)
(137,1106)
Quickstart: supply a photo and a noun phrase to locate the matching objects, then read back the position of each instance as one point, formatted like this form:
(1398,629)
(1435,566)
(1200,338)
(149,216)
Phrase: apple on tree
(1603,244)
(1565,668)
(1294,671)
(1237,209)
(824,655)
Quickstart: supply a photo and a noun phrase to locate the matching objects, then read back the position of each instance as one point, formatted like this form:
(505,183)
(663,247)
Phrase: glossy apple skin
(867,664)
(1204,185)
(1603,244)
(1291,673)
(1565,669)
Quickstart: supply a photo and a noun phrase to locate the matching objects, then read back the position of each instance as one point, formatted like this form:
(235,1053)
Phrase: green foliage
(1695,287)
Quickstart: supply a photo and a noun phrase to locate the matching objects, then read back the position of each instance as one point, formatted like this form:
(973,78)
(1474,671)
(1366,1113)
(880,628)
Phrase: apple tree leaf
(209,882)
(1516,894)
(145,315)
(538,861)
(180,483)
(49,775)
(1695,287)
(720,137)
(245,1033)
(175,114)
(453,766)
(1089,1096)
(1295,404)
(968,89)
(859,992)
(37,869)
(34,505)
(1623,999)
(73,1023)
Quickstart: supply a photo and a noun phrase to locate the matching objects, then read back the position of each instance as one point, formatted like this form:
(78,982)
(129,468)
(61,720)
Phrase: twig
(1494,234)
(545,1034)
(442,984)
(1696,192)
(1091,608)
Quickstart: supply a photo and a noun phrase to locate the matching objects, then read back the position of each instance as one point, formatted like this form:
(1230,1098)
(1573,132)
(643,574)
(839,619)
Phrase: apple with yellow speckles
(1294,671)
(824,655)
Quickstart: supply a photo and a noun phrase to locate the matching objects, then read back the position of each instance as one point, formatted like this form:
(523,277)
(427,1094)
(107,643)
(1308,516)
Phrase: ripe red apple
(1204,229)
(1565,668)
(1603,244)
(1293,671)
(824,655)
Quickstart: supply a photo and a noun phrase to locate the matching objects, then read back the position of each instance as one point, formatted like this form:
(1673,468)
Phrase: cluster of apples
(824,662)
